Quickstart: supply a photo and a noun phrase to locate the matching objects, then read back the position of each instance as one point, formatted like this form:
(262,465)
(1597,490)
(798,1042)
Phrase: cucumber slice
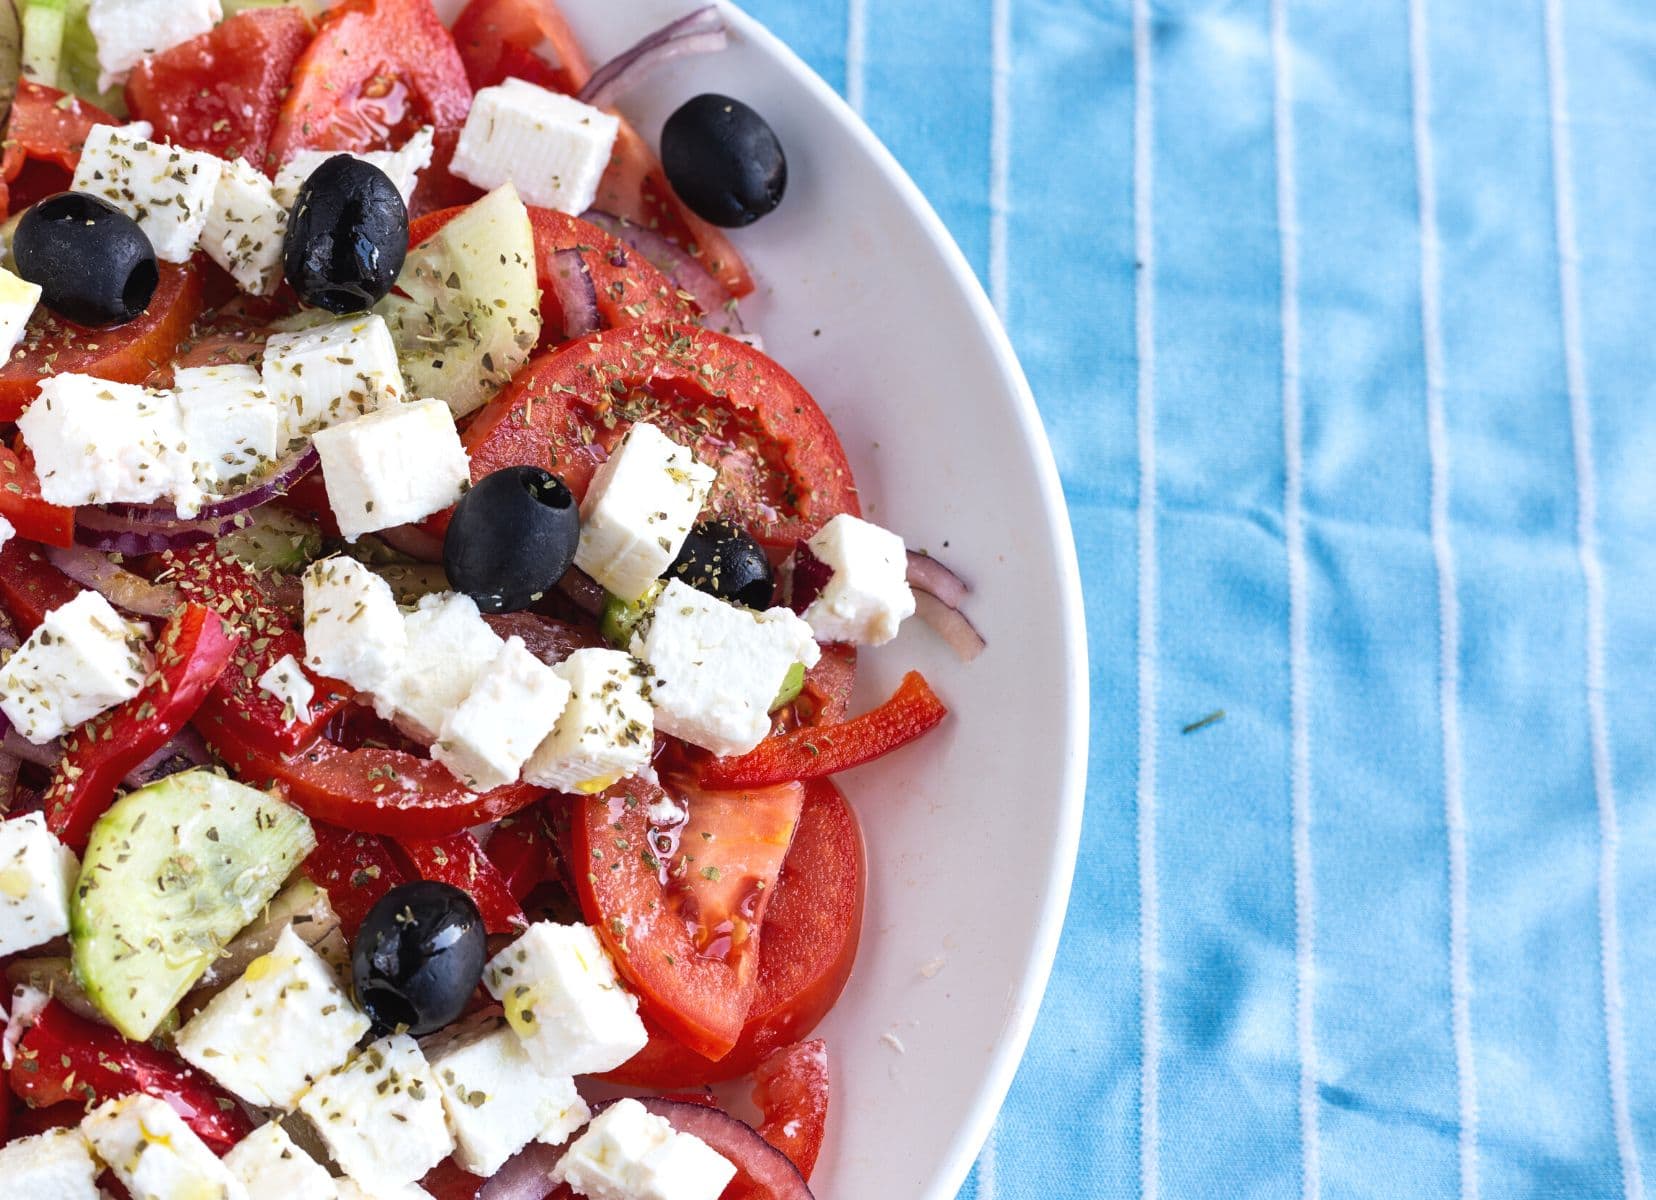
(273,539)
(43,24)
(11,56)
(469,314)
(621,617)
(172,872)
(78,68)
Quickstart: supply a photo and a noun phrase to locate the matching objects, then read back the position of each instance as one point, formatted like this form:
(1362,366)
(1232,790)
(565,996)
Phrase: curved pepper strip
(21,503)
(62,1057)
(31,587)
(458,860)
(522,852)
(355,869)
(194,649)
(912,711)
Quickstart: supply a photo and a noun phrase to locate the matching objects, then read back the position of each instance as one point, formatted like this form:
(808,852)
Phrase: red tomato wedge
(791,1090)
(220,92)
(126,354)
(809,943)
(782,471)
(21,504)
(459,861)
(43,142)
(31,587)
(522,852)
(355,869)
(681,910)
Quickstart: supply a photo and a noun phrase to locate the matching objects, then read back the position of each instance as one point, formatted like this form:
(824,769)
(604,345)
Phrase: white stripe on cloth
(986,1165)
(1000,149)
(1149,891)
(1454,808)
(1592,574)
(1305,918)
(856,51)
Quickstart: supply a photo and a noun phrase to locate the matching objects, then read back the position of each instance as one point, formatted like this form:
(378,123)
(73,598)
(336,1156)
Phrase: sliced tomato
(220,92)
(782,471)
(22,504)
(791,1090)
(805,956)
(705,886)
(31,587)
(498,39)
(458,860)
(43,142)
(825,698)
(522,852)
(355,869)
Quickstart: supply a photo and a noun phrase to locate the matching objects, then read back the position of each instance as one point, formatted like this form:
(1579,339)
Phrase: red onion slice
(10,765)
(927,574)
(414,542)
(583,591)
(763,1164)
(524,1177)
(121,588)
(99,530)
(20,747)
(577,293)
(277,481)
(184,752)
(702,32)
(807,578)
(689,276)
(950,624)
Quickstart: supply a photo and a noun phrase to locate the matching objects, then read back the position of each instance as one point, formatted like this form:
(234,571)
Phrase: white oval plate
(972,834)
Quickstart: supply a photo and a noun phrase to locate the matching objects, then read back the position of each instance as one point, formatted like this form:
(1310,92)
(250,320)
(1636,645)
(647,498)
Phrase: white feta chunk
(98,442)
(128,31)
(55,1165)
(497,1101)
(449,646)
(639,509)
(604,734)
(168,190)
(716,668)
(553,148)
(510,711)
(37,873)
(280,1027)
(391,467)
(353,629)
(350,1189)
(18,298)
(232,428)
(402,166)
(868,595)
(154,1154)
(245,228)
(381,1115)
(331,372)
(286,680)
(629,1153)
(271,1167)
(83,659)
(7,530)
(564,1000)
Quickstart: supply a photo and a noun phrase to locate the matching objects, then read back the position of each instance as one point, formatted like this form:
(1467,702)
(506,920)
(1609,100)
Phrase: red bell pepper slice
(521,850)
(236,592)
(64,1057)
(31,587)
(355,869)
(21,503)
(192,652)
(46,132)
(458,860)
(912,711)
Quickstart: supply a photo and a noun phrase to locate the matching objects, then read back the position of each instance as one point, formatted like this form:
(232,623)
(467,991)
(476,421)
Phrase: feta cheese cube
(553,148)
(280,1027)
(639,509)
(393,466)
(245,227)
(563,999)
(286,680)
(353,629)
(508,713)
(168,190)
(18,298)
(402,166)
(350,1189)
(604,733)
(84,658)
(331,372)
(868,595)
(7,530)
(449,646)
(231,427)
(55,1165)
(128,31)
(629,1153)
(381,1115)
(36,875)
(271,1167)
(497,1101)
(154,1154)
(716,668)
(97,442)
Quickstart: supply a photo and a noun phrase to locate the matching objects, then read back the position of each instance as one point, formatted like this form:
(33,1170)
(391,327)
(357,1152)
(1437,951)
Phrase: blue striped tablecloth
(1342,317)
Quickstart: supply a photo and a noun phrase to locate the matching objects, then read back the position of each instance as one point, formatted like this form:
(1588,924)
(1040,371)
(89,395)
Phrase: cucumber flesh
(172,872)
(273,539)
(43,24)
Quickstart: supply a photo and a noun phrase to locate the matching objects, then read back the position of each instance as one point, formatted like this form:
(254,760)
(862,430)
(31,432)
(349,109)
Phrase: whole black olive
(93,263)
(346,237)
(513,535)
(418,957)
(724,561)
(723,160)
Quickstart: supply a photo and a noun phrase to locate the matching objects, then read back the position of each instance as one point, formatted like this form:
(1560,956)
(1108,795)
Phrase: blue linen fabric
(1340,317)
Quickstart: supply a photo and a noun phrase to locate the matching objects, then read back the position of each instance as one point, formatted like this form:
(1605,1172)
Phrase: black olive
(511,538)
(724,561)
(346,237)
(418,957)
(93,263)
(723,160)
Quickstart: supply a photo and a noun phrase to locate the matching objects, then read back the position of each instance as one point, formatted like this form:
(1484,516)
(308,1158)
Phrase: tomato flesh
(791,1090)
(44,136)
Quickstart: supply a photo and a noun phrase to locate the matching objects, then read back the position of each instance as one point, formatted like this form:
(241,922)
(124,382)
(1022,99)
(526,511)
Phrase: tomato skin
(44,135)
(126,354)
(21,504)
(783,472)
(522,852)
(791,1091)
(31,587)
(355,869)
(497,40)
(221,92)
(459,861)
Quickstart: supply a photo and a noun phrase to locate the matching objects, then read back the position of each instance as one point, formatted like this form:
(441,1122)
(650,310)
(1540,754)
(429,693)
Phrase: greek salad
(428,619)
